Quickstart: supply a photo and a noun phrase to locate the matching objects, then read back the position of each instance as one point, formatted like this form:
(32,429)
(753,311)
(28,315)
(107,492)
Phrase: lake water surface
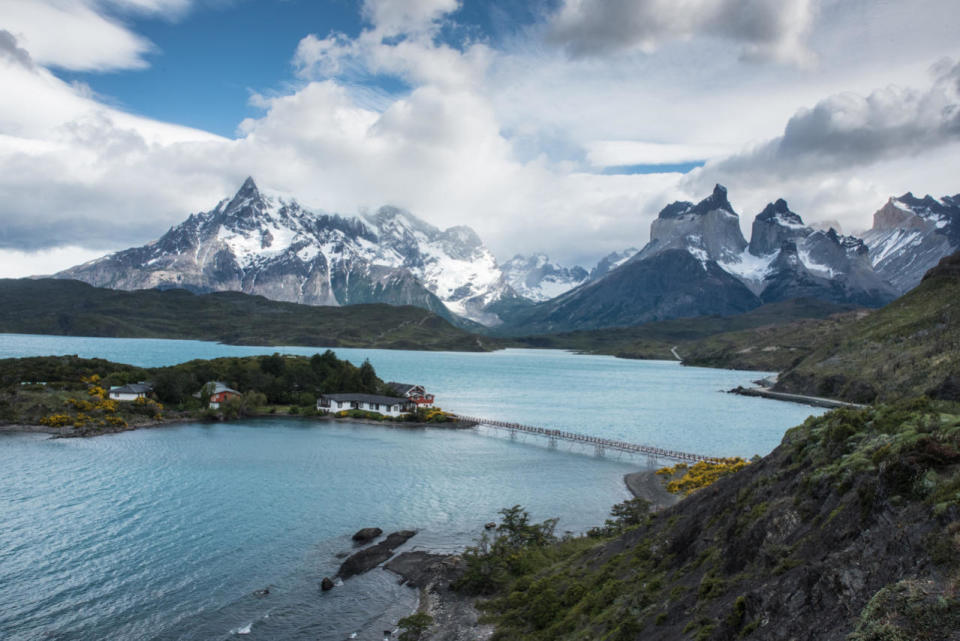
(167,533)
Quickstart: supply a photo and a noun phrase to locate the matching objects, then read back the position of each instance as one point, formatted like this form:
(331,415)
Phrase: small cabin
(130,392)
(386,405)
(219,393)
(411,392)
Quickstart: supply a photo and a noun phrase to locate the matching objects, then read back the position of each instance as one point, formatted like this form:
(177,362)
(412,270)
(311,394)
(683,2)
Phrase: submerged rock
(327,584)
(367,534)
(371,557)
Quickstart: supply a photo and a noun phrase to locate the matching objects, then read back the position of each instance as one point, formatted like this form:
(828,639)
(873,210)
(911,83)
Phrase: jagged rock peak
(780,210)
(716,201)
(775,224)
(248,191)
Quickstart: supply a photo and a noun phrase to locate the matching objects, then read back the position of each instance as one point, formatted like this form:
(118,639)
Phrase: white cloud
(84,35)
(391,17)
(20,264)
(316,57)
(607,153)
(849,130)
(763,29)
(503,138)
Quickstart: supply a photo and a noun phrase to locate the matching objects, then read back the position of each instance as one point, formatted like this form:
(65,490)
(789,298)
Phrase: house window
(376,406)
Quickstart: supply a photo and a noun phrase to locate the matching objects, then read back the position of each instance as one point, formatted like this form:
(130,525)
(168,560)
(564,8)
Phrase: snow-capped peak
(537,278)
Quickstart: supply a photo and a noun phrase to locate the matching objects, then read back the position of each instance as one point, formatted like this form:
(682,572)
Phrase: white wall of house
(125,396)
(386,410)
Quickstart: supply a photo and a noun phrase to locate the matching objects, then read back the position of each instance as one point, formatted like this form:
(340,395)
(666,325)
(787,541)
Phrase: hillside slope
(72,308)
(848,531)
(715,340)
(908,348)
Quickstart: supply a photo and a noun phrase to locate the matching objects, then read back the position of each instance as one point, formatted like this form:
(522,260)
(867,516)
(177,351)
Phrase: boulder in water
(367,534)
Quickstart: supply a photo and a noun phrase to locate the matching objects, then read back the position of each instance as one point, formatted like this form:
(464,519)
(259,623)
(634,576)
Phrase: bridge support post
(513,435)
(653,461)
(600,450)
(553,443)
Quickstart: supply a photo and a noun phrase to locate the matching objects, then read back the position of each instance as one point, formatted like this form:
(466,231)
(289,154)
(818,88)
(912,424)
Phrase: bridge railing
(623,446)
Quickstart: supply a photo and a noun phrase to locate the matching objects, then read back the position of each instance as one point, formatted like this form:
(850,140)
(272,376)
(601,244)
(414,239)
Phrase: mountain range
(269,245)
(696,263)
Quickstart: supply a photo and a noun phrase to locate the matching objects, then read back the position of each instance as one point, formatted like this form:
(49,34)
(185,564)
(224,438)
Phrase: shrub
(704,474)
(413,626)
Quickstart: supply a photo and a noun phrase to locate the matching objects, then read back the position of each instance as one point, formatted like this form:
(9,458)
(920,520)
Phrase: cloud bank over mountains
(511,135)
(762,29)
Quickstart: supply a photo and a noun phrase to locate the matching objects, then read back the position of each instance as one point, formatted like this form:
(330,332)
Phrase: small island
(72,396)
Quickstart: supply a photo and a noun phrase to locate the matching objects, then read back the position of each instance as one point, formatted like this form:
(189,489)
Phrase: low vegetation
(857,511)
(686,479)
(67,391)
(908,348)
(72,308)
(786,332)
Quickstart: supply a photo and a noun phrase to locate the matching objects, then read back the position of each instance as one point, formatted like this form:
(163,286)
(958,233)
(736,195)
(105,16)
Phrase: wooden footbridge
(600,445)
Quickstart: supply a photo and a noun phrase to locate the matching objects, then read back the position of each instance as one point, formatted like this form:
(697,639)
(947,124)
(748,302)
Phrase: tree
(368,377)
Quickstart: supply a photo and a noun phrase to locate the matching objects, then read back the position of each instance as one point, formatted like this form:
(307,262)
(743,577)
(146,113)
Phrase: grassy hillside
(654,340)
(72,308)
(908,348)
(849,530)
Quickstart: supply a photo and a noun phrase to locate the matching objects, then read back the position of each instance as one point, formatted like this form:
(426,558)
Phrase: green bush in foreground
(413,626)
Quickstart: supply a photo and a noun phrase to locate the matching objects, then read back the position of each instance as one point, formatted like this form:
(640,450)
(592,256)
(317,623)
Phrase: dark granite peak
(780,209)
(716,200)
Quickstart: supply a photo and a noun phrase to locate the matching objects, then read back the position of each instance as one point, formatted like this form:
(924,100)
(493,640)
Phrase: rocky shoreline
(455,616)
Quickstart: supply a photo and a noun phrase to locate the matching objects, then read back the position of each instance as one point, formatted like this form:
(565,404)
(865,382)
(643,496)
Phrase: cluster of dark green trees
(281,379)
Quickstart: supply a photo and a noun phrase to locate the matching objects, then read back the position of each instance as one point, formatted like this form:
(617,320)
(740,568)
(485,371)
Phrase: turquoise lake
(167,533)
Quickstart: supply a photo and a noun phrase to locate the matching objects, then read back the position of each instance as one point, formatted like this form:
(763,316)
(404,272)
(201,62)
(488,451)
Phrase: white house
(130,392)
(386,405)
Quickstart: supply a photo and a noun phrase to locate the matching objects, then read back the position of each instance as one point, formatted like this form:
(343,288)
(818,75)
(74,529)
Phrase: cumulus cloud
(392,17)
(850,130)
(764,29)
(12,52)
(608,153)
(321,57)
(84,35)
(450,147)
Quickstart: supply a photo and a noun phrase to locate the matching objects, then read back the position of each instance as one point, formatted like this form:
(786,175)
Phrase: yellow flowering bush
(80,405)
(56,420)
(107,405)
(702,474)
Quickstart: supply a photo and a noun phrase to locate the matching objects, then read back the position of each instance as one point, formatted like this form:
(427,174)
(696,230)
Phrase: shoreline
(814,401)
(456,616)
(645,484)
(59,432)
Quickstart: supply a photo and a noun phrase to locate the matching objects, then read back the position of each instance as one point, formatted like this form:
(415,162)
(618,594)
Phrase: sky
(555,126)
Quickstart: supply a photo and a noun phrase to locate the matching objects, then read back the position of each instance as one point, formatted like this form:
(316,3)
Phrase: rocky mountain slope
(537,279)
(910,234)
(270,245)
(698,263)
